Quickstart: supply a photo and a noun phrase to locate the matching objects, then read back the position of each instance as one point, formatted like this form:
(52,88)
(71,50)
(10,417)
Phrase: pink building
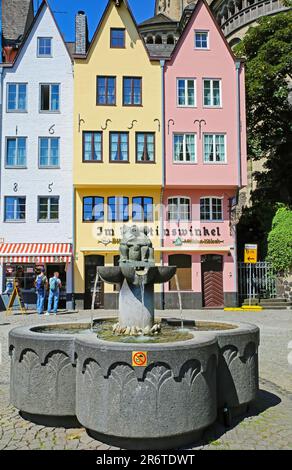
(205,163)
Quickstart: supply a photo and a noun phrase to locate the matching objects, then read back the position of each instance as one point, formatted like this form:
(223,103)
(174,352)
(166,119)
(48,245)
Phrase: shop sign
(250,254)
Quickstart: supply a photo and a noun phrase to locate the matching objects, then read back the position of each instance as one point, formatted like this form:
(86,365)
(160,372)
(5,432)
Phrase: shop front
(22,262)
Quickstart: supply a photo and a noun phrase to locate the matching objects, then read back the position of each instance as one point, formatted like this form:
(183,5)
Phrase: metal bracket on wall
(80,121)
(158,123)
(106,124)
(200,121)
(132,124)
(170,121)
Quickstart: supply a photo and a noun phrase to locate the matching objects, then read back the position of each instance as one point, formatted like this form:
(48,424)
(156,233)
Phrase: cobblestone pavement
(267,426)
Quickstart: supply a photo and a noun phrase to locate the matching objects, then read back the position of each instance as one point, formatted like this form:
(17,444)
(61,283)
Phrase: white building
(36,225)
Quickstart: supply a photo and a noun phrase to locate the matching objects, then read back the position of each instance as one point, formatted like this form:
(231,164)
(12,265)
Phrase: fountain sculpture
(136,388)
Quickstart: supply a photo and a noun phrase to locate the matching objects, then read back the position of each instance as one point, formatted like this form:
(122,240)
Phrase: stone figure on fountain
(136,247)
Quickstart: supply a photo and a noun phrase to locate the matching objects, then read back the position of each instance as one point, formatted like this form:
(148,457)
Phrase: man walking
(54,293)
(41,285)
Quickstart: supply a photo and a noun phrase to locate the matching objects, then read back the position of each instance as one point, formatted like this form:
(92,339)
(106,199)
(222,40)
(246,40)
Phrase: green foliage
(280,240)
(267,51)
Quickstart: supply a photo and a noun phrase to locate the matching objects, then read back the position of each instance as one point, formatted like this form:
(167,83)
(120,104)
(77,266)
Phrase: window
(50,97)
(118,209)
(16,152)
(119,146)
(16,97)
(211,209)
(201,39)
(186,92)
(44,47)
(142,209)
(145,147)
(212,92)
(93,209)
(184,148)
(132,91)
(106,91)
(92,146)
(214,148)
(179,209)
(117,38)
(48,210)
(183,265)
(14,208)
(49,152)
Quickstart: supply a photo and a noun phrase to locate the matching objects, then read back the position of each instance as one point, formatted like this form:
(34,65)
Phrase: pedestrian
(54,293)
(41,284)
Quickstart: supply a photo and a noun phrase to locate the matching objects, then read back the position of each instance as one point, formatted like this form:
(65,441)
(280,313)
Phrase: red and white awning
(35,253)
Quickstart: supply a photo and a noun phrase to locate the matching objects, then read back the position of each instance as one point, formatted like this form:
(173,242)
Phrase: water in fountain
(179,300)
(93,301)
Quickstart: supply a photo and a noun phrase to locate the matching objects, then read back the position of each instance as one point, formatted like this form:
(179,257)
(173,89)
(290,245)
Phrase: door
(91,263)
(183,265)
(212,281)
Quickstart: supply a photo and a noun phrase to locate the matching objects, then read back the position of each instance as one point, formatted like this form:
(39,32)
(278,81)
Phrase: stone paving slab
(268,424)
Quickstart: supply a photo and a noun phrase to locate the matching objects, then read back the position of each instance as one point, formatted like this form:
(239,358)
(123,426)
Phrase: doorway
(183,265)
(91,263)
(212,281)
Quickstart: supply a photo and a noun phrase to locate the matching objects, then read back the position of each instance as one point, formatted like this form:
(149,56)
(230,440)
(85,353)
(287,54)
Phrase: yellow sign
(250,254)
(139,359)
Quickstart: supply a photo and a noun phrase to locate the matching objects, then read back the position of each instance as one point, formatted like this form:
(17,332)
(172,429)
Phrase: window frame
(132,104)
(16,138)
(186,89)
(118,219)
(200,31)
(4,212)
(93,220)
(50,95)
(49,210)
(92,146)
(44,56)
(124,42)
(146,134)
(48,167)
(184,162)
(110,147)
(106,77)
(216,106)
(169,220)
(17,110)
(142,219)
(210,198)
(214,134)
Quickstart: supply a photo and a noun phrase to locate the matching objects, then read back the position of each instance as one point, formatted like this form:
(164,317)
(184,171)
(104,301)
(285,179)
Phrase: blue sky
(65,11)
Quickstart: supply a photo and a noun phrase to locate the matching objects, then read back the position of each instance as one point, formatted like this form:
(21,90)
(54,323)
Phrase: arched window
(234,42)
(211,209)
(183,265)
(170,39)
(149,40)
(142,210)
(158,39)
(93,209)
(118,209)
(179,209)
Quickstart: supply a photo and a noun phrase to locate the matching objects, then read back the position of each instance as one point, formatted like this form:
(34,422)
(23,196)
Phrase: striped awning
(35,253)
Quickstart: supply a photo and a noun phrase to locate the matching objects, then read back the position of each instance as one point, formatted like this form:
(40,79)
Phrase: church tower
(172,8)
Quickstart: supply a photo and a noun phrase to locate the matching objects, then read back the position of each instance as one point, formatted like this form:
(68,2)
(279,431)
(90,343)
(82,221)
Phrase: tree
(280,240)
(268,54)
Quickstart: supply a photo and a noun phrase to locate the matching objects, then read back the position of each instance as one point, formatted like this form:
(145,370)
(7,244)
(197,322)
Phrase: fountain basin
(164,404)
(149,274)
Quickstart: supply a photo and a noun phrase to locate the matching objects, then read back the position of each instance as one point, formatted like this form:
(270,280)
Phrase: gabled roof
(157,19)
(79,56)
(182,36)
(43,5)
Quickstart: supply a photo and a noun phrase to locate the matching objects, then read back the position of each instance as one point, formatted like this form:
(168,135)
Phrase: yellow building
(118,145)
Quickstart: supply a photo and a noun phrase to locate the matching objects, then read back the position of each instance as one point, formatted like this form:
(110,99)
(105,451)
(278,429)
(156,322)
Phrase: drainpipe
(162,65)
(239,180)
(73,248)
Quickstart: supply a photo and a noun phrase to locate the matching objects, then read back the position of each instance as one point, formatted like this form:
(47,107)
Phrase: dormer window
(118,38)
(201,40)
(44,47)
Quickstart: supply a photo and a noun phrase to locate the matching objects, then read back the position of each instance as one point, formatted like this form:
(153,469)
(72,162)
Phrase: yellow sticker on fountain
(139,359)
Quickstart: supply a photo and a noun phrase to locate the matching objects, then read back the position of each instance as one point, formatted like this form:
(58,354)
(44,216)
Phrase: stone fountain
(136,276)
(131,389)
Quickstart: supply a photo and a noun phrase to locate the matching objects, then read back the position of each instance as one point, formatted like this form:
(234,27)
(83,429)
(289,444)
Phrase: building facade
(36,159)
(118,144)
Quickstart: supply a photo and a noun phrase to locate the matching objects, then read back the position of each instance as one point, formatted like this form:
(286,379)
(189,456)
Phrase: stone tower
(172,8)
